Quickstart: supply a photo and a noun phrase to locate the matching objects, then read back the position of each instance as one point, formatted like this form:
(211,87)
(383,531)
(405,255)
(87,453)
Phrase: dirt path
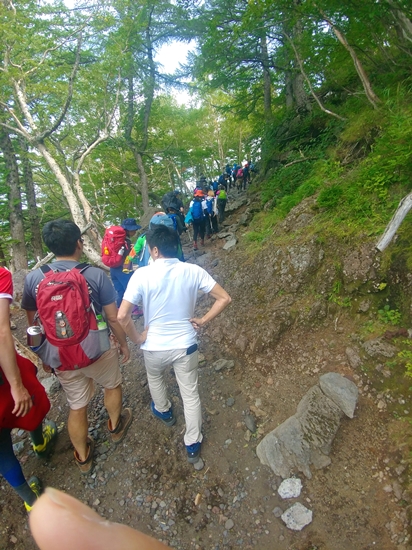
(147,483)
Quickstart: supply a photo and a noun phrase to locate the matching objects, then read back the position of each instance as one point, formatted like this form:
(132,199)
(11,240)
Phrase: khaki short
(79,385)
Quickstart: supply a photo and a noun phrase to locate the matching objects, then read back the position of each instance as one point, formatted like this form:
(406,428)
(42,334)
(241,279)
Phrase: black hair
(165,239)
(61,236)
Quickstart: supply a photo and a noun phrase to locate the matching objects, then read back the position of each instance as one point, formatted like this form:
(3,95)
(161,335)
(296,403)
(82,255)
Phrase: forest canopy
(317,92)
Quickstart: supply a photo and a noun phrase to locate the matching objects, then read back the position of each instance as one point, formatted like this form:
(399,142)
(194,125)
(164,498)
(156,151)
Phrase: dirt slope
(147,483)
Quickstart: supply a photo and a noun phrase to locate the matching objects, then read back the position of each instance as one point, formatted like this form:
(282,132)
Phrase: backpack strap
(82,267)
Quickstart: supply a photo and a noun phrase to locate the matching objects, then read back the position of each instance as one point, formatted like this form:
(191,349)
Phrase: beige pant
(79,385)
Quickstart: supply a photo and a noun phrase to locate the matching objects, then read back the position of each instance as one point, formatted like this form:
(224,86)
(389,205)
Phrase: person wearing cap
(119,277)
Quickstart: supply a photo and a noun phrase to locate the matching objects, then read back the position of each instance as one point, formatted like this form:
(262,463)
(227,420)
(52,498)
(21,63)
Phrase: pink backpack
(68,320)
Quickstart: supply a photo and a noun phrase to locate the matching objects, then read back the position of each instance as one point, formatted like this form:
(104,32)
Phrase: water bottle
(103,333)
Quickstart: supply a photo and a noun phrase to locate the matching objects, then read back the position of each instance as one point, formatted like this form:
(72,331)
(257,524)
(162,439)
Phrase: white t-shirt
(168,289)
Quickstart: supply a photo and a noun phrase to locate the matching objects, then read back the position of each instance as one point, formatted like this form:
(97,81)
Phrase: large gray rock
(230,244)
(342,391)
(377,347)
(306,438)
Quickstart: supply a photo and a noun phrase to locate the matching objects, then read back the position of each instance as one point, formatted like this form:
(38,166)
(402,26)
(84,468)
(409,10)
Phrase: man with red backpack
(68,297)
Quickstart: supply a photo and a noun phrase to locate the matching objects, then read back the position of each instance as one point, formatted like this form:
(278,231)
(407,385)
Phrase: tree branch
(66,105)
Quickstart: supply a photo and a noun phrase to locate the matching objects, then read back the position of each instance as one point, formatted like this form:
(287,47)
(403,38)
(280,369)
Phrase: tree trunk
(78,217)
(288,90)
(33,216)
(267,85)
(18,246)
(367,86)
(402,21)
(403,208)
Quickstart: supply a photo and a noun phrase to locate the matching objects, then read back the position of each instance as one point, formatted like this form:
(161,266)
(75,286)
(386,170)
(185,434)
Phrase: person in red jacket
(23,404)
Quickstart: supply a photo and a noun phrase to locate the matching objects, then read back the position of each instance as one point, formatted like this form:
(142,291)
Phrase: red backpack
(114,247)
(68,320)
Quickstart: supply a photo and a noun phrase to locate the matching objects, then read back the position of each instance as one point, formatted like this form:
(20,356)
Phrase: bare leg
(77,426)
(113,404)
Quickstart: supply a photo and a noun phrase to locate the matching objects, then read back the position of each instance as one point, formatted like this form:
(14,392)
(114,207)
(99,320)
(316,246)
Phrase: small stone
(13,539)
(250,423)
(230,402)
(199,465)
(277,512)
(229,524)
(269,381)
(96,502)
(290,488)
(297,517)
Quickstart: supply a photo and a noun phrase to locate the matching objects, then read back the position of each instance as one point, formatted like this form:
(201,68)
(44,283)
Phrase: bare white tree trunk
(403,208)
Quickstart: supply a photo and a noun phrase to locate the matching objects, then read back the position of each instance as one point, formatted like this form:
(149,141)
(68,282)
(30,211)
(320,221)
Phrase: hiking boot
(49,437)
(86,466)
(193,452)
(202,242)
(36,486)
(120,431)
(167,417)
(194,245)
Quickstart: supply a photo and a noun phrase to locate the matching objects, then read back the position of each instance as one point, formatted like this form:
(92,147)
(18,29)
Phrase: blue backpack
(169,220)
(197,210)
(209,204)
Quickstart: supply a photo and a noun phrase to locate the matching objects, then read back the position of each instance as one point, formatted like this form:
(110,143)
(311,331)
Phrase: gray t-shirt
(102,289)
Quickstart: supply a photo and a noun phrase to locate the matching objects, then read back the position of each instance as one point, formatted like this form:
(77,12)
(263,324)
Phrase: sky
(171,56)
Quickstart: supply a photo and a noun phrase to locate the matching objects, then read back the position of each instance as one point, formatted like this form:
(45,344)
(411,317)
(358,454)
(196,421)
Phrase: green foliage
(407,354)
(389,316)
(336,298)
(330,197)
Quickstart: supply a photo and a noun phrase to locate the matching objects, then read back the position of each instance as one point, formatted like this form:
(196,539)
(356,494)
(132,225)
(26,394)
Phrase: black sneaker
(166,417)
(193,452)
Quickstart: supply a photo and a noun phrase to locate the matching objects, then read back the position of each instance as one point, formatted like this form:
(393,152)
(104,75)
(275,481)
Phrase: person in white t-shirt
(168,289)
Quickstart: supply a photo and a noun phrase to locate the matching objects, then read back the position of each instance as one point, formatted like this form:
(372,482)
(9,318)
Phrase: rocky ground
(357,502)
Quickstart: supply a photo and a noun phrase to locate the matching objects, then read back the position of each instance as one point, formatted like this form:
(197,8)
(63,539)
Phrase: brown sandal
(118,434)
(86,466)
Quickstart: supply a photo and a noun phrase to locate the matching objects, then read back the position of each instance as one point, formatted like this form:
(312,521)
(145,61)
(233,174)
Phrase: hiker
(23,404)
(196,216)
(168,289)
(60,517)
(222,180)
(221,203)
(211,215)
(246,175)
(140,253)
(78,364)
(172,198)
(234,173)
(239,178)
(120,275)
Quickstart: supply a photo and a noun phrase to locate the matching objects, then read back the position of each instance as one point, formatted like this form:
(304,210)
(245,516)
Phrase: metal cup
(34,337)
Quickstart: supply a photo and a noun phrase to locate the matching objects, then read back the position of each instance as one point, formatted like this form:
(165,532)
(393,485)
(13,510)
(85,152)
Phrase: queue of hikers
(79,321)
